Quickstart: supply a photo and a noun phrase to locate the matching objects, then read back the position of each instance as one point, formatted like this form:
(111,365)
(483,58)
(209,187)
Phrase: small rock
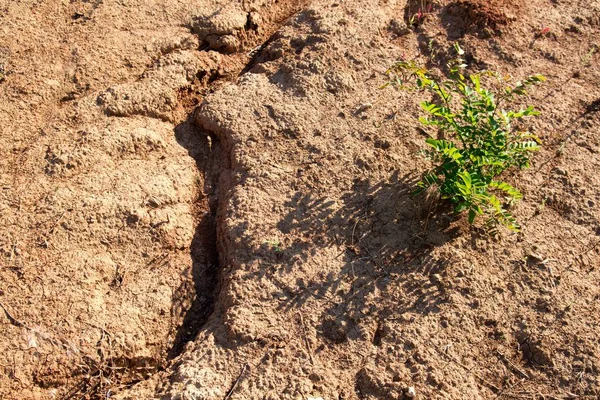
(399,27)
(254,20)
(436,279)
(560,171)
(315,377)
(154,202)
(410,392)
(364,107)
(382,144)
(227,43)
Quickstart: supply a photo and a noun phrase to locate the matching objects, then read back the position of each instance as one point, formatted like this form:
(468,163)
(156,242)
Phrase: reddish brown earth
(212,200)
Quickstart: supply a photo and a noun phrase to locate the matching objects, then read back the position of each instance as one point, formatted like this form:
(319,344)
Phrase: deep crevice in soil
(203,250)
(211,159)
(198,295)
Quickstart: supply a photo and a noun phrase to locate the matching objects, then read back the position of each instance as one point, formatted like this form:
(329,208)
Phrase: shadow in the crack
(201,291)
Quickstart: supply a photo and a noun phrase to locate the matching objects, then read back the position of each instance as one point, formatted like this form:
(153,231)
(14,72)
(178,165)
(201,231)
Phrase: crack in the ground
(198,296)
(212,158)
(203,250)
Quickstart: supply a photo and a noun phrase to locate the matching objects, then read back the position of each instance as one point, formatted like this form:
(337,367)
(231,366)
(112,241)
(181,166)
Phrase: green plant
(586,59)
(275,245)
(477,138)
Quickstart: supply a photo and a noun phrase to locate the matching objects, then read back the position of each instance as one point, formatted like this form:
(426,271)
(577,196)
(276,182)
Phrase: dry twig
(10,317)
(511,365)
(312,361)
(239,378)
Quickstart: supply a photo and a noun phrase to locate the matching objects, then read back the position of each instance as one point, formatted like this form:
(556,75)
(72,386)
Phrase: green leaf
(530,111)
(476,81)
(429,179)
(440,144)
(472,215)
(508,189)
(430,107)
(460,207)
(466,178)
(426,121)
(453,153)
(528,145)
(529,135)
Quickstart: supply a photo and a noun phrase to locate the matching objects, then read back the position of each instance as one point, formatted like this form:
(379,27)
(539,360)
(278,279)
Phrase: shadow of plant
(377,237)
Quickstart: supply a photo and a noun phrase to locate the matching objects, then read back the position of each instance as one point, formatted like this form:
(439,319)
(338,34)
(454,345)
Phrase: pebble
(560,171)
(436,278)
(399,27)
(364,107)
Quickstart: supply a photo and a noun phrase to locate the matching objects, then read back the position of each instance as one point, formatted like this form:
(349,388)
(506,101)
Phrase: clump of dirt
(234,27)
(534,350)
(224,29)
(155,94)
(482,17)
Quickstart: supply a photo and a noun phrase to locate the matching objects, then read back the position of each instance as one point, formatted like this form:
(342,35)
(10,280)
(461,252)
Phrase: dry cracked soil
(213,199)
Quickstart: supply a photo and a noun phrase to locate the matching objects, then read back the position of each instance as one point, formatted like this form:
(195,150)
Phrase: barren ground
(212,200)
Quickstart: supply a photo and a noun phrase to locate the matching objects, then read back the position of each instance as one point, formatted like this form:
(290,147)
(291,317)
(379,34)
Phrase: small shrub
(477,138)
